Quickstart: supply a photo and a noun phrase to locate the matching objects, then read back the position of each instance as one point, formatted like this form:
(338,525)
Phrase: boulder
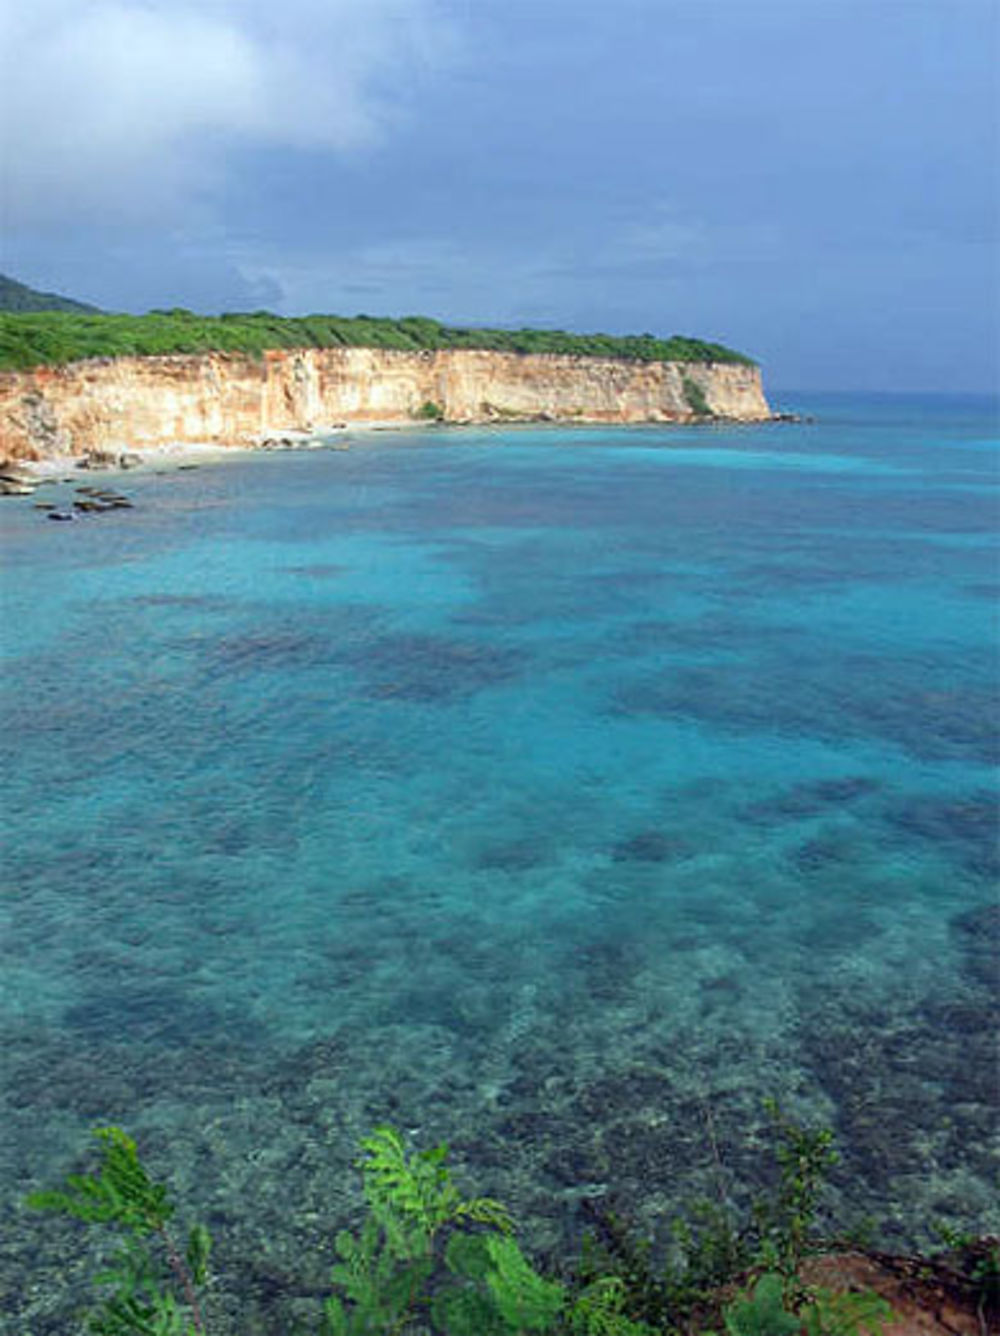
(10,472)
(100,459)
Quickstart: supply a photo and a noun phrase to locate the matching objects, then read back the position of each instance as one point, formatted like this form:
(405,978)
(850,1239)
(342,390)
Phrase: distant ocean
(561,794)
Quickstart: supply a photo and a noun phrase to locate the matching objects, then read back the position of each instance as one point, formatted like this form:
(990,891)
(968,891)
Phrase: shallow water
(559,793)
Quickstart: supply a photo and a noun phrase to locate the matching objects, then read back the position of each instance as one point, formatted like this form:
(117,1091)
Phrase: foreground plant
(713,1247)
(154,1289)
(769,1310)
(427,1259)
(785,1222)
(426,1252)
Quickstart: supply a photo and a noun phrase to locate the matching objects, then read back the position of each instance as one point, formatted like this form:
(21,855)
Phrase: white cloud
(127,108)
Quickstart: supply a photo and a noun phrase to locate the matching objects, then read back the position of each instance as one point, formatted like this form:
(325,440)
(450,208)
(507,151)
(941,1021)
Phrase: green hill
(16,296)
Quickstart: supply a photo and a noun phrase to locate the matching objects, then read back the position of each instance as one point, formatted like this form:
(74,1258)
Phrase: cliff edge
(238,399)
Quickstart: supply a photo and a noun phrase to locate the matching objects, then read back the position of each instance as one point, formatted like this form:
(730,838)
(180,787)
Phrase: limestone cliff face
(235,399)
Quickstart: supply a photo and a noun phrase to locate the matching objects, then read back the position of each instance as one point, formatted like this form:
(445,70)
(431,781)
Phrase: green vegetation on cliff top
(39,338)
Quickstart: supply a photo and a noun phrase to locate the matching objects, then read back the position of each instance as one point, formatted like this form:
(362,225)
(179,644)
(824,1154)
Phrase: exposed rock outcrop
(102,405)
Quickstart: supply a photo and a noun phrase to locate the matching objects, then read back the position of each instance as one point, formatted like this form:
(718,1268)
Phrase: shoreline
(177,455)
(151,459)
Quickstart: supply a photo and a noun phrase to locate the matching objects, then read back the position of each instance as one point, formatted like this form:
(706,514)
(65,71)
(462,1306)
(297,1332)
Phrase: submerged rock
(978,933)
(650,846)
(981,924)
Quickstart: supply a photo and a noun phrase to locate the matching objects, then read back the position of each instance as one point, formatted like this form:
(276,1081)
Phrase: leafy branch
(142,1301)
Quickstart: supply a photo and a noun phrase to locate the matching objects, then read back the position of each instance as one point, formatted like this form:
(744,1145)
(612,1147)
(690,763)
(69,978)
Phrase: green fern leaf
(334,1318)
(525,1300)
(468,1256)
(380,1284)
(120,1193)
(466,1312)
(141,1301)
(762,1313)
(485,1211)
(412,1193)
(598,1311)
(198,1249)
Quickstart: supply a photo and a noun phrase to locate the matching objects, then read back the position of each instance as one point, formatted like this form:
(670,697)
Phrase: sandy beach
(169,456)
(186,454)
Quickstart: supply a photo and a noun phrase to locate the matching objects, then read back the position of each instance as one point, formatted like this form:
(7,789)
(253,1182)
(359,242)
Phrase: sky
(814,182)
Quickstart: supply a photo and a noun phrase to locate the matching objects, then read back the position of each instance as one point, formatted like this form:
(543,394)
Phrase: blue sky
(813,181)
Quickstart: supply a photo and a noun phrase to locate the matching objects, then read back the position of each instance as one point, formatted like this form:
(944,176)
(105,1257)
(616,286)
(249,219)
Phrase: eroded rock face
(236,399)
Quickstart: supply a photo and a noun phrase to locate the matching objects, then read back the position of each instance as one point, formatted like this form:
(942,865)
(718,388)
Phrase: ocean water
(561,794)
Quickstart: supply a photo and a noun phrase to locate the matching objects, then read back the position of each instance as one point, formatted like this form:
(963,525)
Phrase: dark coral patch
(989,592)
(811,799)
(272,650)
(186,602)
(317,571)
(510,856)
(651,846)
(829,848)
(836,699)
(156,1014)
(844,790)
(969,824)
(978,933)
(896,1079)
(432,669)
(326,637)
(606,969)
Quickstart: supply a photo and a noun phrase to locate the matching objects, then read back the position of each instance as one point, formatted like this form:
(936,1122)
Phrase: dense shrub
(38,337)
(694,396)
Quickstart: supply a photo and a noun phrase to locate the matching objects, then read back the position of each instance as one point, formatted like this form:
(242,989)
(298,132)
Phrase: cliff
(236,399)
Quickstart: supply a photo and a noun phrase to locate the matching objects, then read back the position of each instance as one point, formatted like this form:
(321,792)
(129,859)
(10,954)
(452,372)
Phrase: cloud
(124,109)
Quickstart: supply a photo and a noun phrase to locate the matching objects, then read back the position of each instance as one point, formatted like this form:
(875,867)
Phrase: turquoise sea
(561,794)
